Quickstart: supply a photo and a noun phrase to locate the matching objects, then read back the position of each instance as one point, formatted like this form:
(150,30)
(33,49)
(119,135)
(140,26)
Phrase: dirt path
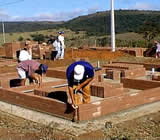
(140,122)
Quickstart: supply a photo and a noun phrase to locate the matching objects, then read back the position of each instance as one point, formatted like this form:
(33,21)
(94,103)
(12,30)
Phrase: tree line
(146,23)
(94,24)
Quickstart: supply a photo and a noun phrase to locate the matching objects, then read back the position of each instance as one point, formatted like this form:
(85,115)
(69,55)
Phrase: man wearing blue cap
(79,75)
(31,69)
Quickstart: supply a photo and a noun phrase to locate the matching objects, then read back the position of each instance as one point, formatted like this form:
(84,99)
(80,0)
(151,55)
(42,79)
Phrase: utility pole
(4,39)
(112,27)
(7,3)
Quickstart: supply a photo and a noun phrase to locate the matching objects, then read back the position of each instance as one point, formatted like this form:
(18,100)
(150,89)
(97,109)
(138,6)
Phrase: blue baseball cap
(62,32)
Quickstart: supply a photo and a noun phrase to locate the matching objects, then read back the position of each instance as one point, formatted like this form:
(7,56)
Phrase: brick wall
(117,103)
(104,89)
(11,49)
(139,84)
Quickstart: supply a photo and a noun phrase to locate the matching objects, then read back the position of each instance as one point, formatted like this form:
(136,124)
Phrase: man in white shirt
(56,46)
(61,44)
(26,53)
(157,44)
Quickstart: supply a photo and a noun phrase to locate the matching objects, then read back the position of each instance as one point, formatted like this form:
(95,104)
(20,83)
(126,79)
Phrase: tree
(38,37)
(20,38)
(149,30)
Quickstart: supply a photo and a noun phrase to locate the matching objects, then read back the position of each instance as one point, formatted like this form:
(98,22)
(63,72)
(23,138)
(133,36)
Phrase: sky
(64,10)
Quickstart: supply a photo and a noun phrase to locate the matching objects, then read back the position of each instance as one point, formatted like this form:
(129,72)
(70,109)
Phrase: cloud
(93,9)
(64,16)
(47,16)
(4,15)
(143,6)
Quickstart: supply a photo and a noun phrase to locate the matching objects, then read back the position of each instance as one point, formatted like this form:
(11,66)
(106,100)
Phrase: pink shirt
(29,66)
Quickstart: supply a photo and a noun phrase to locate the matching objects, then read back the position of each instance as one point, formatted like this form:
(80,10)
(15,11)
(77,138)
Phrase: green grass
(13,37)
(72,39)
(129,36)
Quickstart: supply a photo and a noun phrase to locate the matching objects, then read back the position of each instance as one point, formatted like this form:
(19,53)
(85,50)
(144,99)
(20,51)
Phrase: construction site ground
(138,123)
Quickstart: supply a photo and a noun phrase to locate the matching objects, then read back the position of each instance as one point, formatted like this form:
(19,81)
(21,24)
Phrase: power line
(9,3)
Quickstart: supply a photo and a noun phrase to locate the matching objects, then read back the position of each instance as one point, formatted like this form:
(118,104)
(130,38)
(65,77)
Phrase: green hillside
(94,24)
(93,29)
(125,20)
(12,27)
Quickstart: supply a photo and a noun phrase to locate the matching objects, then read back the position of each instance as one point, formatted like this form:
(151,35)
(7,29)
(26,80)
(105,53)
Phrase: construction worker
(157,44)
(57,48)
(51,39)
(79,75)
(26,53)
(31,69)
(61,44)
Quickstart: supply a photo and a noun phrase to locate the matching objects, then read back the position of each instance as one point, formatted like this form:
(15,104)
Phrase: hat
(27,42)
(62,32)
(78,72)
(156,42)
(44,43)
(44,68)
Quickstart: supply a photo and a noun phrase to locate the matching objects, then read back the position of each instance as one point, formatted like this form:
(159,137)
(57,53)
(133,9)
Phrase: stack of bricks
(127,70)
(99,74)
(113,74)
(12,48)
(139,83)
(50,54)
(156,77)
(57,72)
(38,52)
(138,52)
(5,79)
(104,89)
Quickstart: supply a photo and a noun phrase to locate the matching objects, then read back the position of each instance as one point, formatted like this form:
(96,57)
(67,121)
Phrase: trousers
(83,96)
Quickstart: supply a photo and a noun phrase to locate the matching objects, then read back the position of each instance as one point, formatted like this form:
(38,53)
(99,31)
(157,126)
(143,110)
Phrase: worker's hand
(40,85)
(74,106)
(76,89)
(69,100)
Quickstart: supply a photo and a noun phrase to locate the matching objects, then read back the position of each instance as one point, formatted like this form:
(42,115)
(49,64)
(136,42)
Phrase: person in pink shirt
(31,69)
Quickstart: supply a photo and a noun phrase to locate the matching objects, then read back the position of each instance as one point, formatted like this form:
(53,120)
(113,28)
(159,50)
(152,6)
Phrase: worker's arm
(37,78)
(40,81)
(71,93)
(83,84)
(23,82)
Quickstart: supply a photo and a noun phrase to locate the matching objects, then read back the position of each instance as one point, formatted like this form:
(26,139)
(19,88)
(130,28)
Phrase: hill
(125,20)
(30,26)
(94,24)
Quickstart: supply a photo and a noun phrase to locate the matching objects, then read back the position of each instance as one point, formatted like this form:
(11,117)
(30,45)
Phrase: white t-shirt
(158,47)
(61,39)
(24,55)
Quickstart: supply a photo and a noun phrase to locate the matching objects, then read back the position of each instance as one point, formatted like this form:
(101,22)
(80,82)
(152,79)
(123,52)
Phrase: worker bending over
(31,69)
(79,76)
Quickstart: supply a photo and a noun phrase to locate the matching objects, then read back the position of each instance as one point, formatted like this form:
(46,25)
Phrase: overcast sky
(58,10)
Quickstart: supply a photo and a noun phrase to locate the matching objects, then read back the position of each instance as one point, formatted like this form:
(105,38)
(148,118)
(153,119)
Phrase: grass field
(72,39)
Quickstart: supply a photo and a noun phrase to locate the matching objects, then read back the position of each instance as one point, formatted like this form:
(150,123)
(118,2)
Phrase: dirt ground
(146,127)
